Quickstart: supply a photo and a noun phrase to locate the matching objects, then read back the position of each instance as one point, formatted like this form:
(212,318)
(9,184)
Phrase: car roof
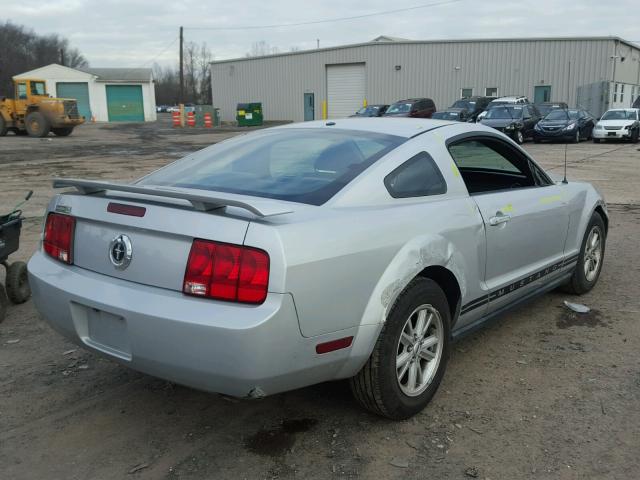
(401,127)
(412,100)
(509,97)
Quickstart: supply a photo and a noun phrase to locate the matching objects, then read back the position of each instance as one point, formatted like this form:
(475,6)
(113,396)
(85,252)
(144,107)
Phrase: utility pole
(317,43)
(181,70)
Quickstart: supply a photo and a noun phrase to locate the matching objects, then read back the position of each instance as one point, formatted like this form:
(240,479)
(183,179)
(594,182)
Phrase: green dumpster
(249,114)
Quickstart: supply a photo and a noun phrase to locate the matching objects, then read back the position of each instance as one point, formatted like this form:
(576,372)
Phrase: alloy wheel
(419,350)
(593,254)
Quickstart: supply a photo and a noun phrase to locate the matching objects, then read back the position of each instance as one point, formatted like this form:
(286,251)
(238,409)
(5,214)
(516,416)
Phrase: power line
(161,52)
(329,20)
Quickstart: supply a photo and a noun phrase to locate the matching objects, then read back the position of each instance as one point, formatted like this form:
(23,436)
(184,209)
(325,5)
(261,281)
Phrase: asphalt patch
(277,441)
(591,319)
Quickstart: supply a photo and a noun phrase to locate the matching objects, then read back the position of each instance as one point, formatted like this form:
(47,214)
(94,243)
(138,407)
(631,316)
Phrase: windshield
(561,114)
(399,108)
(471,106)
(446,115)
(300,165)
(620,115)
(504,112)
(368,111)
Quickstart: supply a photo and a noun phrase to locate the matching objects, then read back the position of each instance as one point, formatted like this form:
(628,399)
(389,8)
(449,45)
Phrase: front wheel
(590,258)
(37,125)
(518,137)
(409,359)
(4,303)
(576,137)
(635,135)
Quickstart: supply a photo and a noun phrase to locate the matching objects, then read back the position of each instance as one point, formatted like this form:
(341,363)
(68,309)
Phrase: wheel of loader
(62,131)
(4,302)
(37,125)
(3,127)
(18,289)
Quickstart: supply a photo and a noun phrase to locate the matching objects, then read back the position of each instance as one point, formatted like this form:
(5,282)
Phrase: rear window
(298,165)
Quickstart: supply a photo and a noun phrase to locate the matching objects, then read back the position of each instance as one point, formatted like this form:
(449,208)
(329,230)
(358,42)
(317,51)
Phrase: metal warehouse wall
(433,69)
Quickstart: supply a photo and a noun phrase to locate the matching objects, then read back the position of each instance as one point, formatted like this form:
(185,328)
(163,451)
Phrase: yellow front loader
(35,113)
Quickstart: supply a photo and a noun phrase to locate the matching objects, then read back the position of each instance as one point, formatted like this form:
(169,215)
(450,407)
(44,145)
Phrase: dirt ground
(541,393)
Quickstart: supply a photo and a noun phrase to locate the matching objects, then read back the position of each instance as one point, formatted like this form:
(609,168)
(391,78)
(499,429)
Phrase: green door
(79,91)
(542,93)
(124,103)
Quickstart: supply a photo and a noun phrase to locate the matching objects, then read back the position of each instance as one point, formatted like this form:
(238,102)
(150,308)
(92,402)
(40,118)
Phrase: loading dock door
(345,89)
(79,91)
(124,103)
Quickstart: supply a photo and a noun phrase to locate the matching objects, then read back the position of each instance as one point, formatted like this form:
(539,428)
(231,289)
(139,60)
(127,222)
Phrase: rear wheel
(18,289)
(62,131)
(37,125)
(590,258)
(3,126)
(409,359)
(634,135)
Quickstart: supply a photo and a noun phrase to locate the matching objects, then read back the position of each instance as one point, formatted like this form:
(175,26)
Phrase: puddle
(568,319)
(279,440)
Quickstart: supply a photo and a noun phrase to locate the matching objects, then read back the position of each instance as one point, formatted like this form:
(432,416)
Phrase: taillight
(58,237)
(227,272)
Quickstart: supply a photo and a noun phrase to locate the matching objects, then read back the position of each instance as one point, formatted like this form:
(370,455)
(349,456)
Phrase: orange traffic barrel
(191,119)
(175,116)
(207,120)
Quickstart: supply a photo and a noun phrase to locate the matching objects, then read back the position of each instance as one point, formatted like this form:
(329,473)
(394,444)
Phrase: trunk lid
(160,240)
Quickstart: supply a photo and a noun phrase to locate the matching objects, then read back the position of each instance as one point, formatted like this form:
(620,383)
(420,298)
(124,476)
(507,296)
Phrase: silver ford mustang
(356,248)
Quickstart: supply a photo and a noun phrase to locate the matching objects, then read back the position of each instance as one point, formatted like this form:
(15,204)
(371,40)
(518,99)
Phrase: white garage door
(345,89)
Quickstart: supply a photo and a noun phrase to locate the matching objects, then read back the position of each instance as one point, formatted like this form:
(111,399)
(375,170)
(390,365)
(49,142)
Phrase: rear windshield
(299,165)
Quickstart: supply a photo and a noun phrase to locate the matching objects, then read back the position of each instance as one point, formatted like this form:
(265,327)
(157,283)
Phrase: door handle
(499,219)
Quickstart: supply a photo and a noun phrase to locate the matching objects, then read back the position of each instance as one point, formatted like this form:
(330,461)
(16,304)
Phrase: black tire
(576,137)
(518,137)
(376,387)
(596,140)
(635,135)
(62,131)
(4,303)
(3,126)
(18,289)
(37,125)
(579,283)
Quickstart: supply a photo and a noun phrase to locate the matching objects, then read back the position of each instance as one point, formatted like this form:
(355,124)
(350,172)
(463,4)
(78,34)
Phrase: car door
(525,216)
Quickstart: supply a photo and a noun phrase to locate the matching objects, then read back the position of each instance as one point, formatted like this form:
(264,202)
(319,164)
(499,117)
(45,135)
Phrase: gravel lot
(541,393)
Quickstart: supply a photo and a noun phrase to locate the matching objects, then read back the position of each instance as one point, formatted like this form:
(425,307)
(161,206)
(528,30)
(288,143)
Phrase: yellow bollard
(364,103)
(324,109)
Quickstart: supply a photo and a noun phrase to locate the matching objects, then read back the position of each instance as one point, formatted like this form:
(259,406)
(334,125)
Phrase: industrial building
(596,73)
(103,94)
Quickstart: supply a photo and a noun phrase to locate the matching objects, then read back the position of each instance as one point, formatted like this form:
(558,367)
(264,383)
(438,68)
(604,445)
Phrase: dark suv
(413,107)
(470,107)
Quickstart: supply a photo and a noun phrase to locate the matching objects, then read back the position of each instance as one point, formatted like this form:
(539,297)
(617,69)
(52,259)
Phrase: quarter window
(417,177)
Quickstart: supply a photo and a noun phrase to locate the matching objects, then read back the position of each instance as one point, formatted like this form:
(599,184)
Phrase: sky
(137,33)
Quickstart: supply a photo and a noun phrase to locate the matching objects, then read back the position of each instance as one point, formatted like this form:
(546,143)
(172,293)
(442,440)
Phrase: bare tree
(21,50)
(261,48)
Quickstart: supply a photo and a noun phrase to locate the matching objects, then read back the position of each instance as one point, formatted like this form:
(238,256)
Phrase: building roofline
(428,42)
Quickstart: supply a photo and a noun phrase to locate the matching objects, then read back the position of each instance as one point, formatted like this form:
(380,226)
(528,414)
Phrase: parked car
(161,108)
(471,107)
(414,107)
(509,100)
(216,271)
(618,123)
(564,124)
(545,107)
(451,114)
(173,108)
(371,111)
(516,120)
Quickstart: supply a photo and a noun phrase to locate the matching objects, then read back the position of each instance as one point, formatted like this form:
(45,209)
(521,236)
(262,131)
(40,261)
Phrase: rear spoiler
(201,202)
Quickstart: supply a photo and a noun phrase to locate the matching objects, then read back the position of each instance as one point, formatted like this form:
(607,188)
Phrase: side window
(526,112)
(417,177)
(22,91)
(488,165)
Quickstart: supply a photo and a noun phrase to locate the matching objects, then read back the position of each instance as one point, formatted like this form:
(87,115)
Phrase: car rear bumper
(216,346)
(600,134)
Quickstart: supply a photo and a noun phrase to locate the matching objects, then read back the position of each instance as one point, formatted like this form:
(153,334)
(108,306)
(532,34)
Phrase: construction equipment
(35,113)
